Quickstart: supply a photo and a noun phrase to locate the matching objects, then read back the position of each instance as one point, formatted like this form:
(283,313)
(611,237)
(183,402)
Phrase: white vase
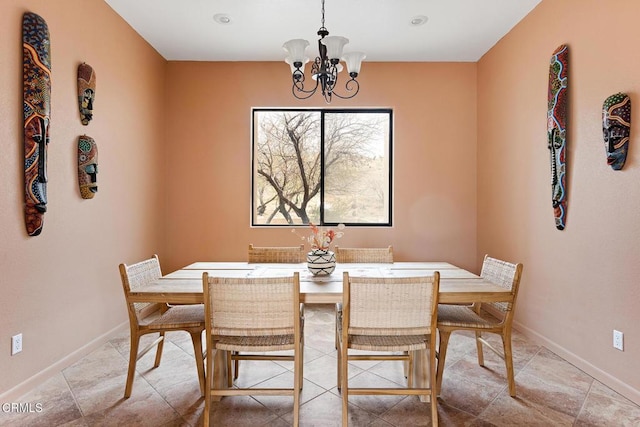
(321,262)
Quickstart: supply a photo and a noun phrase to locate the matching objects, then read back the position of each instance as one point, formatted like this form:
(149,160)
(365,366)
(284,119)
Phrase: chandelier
(325,68)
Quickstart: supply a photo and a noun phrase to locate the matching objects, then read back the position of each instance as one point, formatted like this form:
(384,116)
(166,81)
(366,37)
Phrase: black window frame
(323,112)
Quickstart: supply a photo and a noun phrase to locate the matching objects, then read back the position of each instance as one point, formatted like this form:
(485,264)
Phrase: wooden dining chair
(152,318)
(358,255)
(276,254)
(389,315)
(247,318)
(469,318)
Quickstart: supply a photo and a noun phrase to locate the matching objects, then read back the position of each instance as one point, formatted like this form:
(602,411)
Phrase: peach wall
(209,147)
(62,289)
(581,283)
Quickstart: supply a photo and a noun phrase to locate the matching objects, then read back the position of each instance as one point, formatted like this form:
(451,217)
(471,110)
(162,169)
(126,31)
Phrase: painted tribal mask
(86,92)
(87,166)
(616,127)
(37,117)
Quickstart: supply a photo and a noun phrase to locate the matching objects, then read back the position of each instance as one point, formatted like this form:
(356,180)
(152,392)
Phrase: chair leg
(409,368)
(219,369)
(338,371)
(421,374)
(133,358)
(433,384)
(508,360)
(301,361)
(405,365)
(344,379)
(209,374)
(297,384)
(479,347)
(159,351)
(230,371)
(442,355)
(338,309)
(236,368)
(196,337)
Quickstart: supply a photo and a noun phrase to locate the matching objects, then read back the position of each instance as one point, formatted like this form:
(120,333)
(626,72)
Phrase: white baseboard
(610,381)
(15,393)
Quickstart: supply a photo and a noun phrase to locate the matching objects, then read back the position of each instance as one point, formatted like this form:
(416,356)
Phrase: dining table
(185,286)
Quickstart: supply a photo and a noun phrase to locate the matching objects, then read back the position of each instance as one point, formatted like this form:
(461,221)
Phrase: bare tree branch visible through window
(321,166)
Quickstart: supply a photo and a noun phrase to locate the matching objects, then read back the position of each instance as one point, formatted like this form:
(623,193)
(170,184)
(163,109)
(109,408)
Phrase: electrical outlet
(16,344)
(618,340)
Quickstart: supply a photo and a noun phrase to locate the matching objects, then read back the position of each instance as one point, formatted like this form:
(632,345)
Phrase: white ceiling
(456,30)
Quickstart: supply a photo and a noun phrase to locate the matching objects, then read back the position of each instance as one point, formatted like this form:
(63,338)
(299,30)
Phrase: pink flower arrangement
(321,238)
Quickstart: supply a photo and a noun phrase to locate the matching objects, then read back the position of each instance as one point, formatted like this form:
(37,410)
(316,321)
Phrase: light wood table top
(184,286)
(231,265)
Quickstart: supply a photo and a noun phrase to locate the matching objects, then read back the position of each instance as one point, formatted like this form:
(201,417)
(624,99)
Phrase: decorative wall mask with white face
(616,127)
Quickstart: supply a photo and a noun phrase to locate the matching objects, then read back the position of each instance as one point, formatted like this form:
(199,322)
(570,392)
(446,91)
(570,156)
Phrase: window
(322,166)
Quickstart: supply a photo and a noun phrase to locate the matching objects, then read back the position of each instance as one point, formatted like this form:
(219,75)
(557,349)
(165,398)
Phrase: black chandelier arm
(350,85)
(328,87)
(298,87)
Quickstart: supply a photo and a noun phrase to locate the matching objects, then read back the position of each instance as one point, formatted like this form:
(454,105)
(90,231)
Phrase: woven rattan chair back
(390,306)
(364,255)
(504,274)
(284,254)
(133,277)
(252,306)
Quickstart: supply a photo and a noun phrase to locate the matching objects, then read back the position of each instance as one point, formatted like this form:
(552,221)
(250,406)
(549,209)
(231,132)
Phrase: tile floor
(551,392)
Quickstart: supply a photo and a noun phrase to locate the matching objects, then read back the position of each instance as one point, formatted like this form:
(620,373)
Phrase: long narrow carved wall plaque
(36,51)
(87,166)
(616,128)
(86,92)
(557,132)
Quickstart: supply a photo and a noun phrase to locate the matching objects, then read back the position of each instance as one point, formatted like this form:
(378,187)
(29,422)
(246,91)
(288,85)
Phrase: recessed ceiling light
(416,21)
(222,18)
